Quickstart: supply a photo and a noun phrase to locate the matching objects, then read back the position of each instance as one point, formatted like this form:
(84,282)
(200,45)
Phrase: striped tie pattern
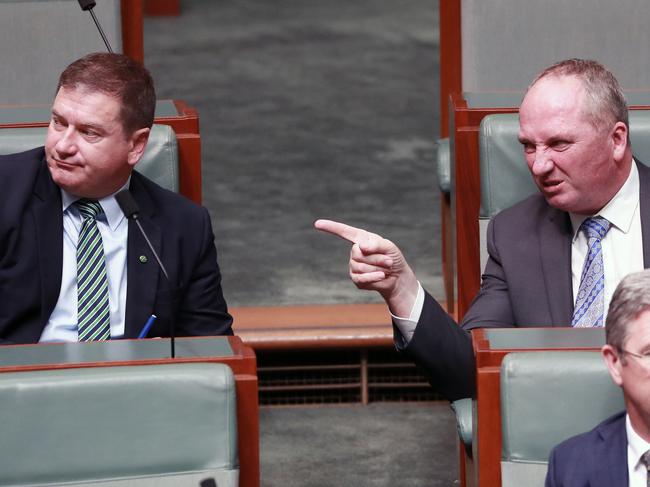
(590,303)
(645,458)
(93,312)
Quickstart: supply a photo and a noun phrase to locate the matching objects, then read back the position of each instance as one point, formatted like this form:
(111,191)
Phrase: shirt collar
(621,208)
(112,211)
(637,446)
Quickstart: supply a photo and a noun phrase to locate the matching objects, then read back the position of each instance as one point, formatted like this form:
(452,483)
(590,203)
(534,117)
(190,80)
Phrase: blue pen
(147,326)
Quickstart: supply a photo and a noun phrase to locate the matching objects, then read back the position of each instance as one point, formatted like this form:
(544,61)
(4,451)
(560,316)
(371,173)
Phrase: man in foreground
(617,451)
(72,267)
(556,257)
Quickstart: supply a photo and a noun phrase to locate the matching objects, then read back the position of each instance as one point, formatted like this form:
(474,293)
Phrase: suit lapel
(610,455)
(48,222)
(555,252)
(142,268)
(644,208)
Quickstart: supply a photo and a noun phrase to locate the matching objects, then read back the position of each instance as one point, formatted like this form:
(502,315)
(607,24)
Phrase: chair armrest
(464,422)
(443,166)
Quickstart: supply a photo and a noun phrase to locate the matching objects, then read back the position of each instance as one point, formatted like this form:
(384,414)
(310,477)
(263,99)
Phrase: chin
(560,203)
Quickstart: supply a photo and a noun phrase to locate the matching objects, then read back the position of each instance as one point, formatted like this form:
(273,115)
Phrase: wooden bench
(335,331)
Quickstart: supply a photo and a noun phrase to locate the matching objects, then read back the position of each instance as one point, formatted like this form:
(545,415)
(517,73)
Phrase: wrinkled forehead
(555,92)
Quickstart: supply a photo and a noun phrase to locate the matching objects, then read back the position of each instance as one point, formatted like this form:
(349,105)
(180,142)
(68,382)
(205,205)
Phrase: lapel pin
(143,259)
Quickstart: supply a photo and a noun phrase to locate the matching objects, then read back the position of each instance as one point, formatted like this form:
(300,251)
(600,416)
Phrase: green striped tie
(93,312)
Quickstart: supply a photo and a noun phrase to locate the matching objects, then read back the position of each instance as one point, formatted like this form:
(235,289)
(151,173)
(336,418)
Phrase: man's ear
(619,140)
(138,141)
(613,362)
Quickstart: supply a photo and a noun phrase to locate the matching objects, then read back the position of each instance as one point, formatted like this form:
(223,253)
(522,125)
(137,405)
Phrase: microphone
(209,482)
(130,209)
(89,5)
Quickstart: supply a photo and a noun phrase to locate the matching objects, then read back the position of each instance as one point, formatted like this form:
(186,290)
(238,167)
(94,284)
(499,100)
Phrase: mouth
(551,184)
(65,165)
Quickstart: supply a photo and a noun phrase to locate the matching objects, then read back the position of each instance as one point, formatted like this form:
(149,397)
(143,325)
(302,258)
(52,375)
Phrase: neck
(639,420)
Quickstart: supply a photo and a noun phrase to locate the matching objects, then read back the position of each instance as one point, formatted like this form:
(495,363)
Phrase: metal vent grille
(339,376)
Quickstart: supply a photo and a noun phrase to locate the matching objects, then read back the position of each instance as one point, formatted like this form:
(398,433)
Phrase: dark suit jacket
(597,458)
(31,253)
(527,282)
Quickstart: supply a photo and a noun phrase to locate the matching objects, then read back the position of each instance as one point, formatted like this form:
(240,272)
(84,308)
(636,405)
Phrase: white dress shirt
(622,249)
(113,227)
(636,447)
(622,246)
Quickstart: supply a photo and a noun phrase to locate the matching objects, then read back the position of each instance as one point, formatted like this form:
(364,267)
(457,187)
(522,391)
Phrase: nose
(540,163)
(66,145)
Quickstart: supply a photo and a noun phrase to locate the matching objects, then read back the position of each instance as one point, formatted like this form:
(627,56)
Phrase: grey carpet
(396,445)
(308,109)
(316,109)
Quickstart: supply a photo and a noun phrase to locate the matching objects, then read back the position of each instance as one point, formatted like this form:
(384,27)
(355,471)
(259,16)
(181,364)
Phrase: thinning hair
(631,298)
(117,76)
(605,102)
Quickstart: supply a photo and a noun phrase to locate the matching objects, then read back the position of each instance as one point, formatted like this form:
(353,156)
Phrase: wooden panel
(319,326)
(448,273)
(189,153)
(162,7)
(132,37)
(450,58)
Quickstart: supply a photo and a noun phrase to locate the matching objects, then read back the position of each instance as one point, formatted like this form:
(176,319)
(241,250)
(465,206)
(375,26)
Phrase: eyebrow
(92,126)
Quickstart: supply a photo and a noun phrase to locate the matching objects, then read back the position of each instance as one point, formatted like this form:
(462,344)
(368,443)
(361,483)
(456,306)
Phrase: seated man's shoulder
(585,442)
(524,218)
(28,161)
(19,173)
(533,205)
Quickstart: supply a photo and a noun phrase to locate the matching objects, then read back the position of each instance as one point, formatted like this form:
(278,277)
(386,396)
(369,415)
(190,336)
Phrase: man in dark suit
(574,132)
(61,266)
(617,451)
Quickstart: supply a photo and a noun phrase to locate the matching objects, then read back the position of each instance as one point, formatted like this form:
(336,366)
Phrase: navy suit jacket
(31,255)
(597,458)
(526,283)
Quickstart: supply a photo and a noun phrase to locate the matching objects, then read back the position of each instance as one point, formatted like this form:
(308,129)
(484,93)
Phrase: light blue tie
(93,311)
(590,303)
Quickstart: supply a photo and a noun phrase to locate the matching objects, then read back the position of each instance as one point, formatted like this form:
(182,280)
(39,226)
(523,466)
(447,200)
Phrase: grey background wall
(41,37)
(507,42)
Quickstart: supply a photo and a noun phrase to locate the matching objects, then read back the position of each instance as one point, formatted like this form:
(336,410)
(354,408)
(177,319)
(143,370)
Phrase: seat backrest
(547,397)
(505,179)
(39,38)
(159,163)
(149,425)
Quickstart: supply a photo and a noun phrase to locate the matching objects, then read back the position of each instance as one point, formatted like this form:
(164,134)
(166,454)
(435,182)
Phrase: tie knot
(645,458)
(89,209)
(595,227)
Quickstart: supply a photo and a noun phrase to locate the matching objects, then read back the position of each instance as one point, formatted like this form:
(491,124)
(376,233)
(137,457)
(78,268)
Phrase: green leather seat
(547,397)
(150,425)
(443,166)
(159,162)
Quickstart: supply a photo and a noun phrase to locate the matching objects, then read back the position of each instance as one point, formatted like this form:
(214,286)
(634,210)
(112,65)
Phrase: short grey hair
(605,101)
(631,298)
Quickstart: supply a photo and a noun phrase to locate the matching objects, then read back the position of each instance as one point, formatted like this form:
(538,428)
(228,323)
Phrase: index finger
(346,232)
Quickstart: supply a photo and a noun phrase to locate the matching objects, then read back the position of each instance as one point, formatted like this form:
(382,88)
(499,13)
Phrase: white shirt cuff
(406,326)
